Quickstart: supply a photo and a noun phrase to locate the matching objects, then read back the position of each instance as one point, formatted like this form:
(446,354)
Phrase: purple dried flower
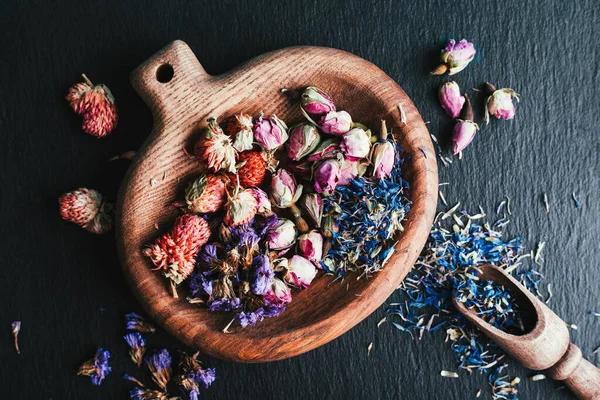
(193,376)
(200,287)
(225,304)
(262,275)
(455,57)
(136,322)
(142,393)
(207,256)
(263,224)
(159,364)
(137,347)
(97,368)
(16,328)
(450,99)
(252,317)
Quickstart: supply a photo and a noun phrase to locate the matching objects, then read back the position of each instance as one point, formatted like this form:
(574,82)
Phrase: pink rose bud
(350,170)
(317,102)
(455,57)
(464,130)
(336,122)
(304,139)
(326,149)
(499,103)
(451,99)
(327,176)
(311,246)
(270,133)
(282,236)
(301,272)
(284,190)
(278,293)
(383,154)
(300,168)
(312,204)
(264,204)
(356,144)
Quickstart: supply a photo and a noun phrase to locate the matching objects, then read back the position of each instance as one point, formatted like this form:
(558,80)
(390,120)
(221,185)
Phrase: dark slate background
(55,276)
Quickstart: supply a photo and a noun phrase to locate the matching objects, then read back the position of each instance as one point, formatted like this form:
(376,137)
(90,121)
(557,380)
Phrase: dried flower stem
(16,328)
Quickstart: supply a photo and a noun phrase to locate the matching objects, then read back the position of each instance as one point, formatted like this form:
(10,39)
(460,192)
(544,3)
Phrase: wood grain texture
(180,109)
(546,346)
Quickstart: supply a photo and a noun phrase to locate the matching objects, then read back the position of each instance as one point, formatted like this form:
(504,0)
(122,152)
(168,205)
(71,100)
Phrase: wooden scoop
(181,96)
(546,345)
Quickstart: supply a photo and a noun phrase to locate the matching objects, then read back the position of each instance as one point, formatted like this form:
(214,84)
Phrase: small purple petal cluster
(159,365)
(135,322)
(97,368)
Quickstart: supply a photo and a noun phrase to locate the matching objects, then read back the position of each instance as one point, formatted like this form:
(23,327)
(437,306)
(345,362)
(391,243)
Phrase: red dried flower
(214,150)
(205,194)
(253,170)
(97,106)
(175,253)
(85,208)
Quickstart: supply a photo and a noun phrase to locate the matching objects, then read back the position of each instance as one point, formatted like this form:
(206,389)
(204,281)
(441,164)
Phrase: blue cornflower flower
(97,368)
(137,347)
(136,322)
(159,364)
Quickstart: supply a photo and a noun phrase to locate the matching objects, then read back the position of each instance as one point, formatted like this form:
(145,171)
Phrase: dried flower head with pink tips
(175,253)
(499,103)
(96,104)
(214,150)
(86,208)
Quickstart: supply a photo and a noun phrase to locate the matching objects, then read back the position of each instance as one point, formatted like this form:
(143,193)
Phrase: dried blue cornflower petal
(136,322)
(159,364)
(368,214)
(137,347)
(96,368)
(262,275)
(502,387)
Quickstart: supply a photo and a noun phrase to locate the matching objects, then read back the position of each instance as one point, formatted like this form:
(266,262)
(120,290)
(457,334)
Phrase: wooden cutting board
(181,96)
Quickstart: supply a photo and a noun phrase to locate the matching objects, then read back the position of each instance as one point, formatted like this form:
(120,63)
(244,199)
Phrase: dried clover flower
(252,168)
(96,104)
(239,128)
(241,207)
(175,253)
(96,368)
(205,194)
(214,150)
(86,208)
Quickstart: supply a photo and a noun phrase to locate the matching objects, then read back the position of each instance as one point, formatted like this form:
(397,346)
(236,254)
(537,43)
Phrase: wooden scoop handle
(546,347)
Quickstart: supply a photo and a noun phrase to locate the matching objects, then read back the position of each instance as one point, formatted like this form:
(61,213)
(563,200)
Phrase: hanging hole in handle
(164,73)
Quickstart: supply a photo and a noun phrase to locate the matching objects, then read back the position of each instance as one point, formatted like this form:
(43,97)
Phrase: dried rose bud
(97,106)
(356,144)
(175,253)
(383,155)
(499,103)
(327,176)
(336,122)
(304,139)
(270,133)
(350,170)
(300,168)
(465,129)
(278,293)
(85,208)
(450,99)
(455,57)
(252,168)
(284,190)
(312,204)
(263,202)
(311,246)
(301,272)
(326,149)
(315,101)
(205,194)
(239,128)
(214,150)
(240,207)
(282,236)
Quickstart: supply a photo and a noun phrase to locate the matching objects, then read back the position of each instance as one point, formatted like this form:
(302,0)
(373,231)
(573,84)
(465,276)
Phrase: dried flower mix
(87,208)
(96,368)
(447,268)
(255,255)
(16,329)
(96,104)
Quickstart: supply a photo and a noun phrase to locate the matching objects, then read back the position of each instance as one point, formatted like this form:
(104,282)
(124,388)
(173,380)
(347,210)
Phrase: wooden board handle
(580,375)
(161,80)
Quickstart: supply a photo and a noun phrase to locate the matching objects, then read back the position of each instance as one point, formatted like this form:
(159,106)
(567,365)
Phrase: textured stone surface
(56,277)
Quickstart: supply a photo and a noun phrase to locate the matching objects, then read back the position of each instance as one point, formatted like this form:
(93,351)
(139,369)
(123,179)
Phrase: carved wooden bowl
(182,96)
